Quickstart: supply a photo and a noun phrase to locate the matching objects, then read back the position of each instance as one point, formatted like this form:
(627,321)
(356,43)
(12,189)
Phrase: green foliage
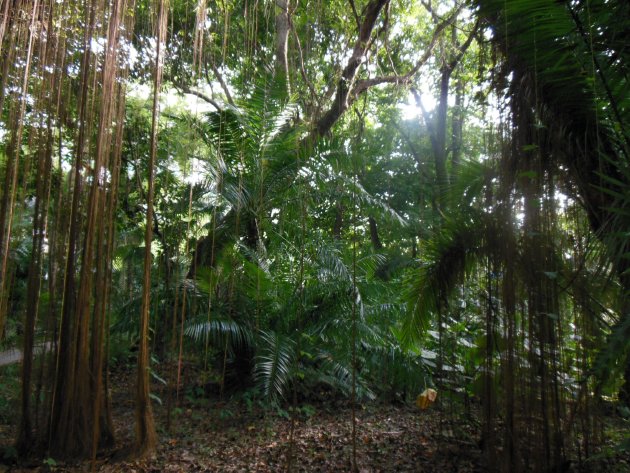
(445,260)
(9,389)
(217,330)
(274,364)
(50,462)
(614,352)
(342,266)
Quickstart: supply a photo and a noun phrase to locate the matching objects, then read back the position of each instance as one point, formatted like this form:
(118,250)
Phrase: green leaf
(528,174)
(155,376)
(156,398)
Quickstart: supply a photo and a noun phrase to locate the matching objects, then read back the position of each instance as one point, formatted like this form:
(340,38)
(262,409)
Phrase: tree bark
(146,438)
(376,241)
(282,41)
(349,74)
(458,126)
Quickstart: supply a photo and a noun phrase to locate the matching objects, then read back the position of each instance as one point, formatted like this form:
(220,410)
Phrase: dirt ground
(207,435)
(204,439)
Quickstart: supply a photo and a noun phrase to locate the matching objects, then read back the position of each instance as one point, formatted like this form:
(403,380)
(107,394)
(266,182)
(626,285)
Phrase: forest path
(14,355)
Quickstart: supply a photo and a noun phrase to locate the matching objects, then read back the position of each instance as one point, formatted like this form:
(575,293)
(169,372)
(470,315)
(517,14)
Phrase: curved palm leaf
(446,259)
(217,330)
(273,365)
(338,375)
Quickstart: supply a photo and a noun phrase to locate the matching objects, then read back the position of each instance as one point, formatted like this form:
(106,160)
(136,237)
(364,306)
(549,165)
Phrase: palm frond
(338,375)
(445,259)
(218,329)
(364,198)
(468,184)
(273,364)
(331,265)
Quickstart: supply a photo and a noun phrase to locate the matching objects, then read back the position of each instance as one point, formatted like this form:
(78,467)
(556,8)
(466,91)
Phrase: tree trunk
(146,439)
(348,76)
(78,421)
(376,241)
(282,41)
(458,126)
(67,441)
(437,127)
(40,214)
(11,172)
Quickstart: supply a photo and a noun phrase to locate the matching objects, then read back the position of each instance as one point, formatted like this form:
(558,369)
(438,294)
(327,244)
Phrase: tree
(451,55)
(567,94)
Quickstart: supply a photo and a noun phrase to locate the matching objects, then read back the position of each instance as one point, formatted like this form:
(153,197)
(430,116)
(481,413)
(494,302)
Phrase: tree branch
(309,84)
(429,8)
(187,90)
(348,75)
(222,83)
(347,91)
(404,79)
(356,14)
(463,48)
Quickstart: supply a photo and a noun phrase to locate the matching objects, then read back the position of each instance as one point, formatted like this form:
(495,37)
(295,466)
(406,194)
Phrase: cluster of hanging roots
(64,68)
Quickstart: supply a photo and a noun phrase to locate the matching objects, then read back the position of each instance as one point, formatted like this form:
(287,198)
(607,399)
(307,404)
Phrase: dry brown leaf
(428,397)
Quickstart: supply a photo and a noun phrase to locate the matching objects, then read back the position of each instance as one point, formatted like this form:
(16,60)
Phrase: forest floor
(207,435)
